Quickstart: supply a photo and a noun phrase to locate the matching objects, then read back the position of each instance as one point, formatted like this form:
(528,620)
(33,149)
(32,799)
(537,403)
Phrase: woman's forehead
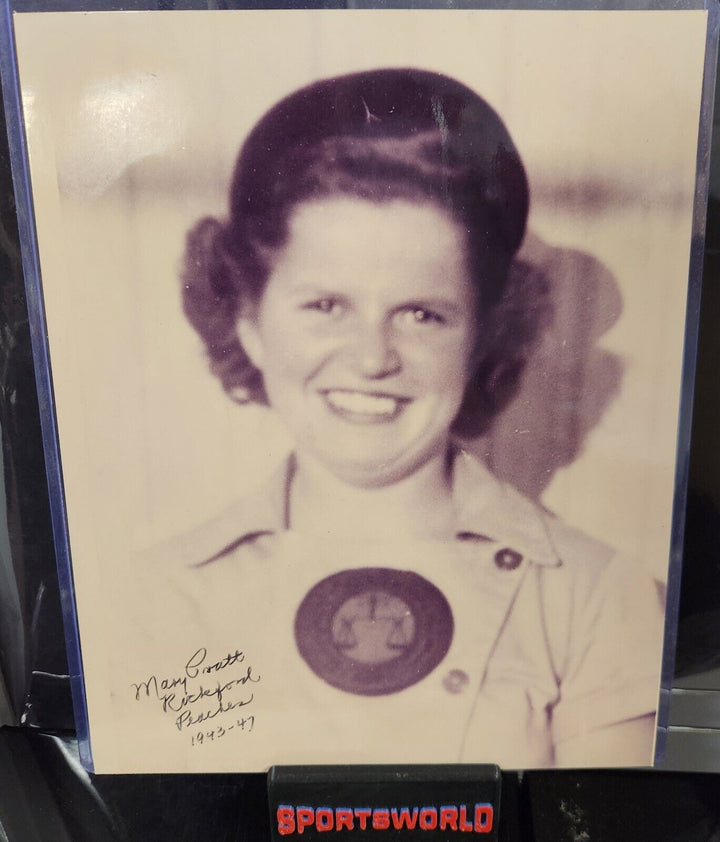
(398,245)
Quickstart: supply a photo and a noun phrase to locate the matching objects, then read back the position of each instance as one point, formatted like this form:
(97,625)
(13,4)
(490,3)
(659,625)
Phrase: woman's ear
(248,331)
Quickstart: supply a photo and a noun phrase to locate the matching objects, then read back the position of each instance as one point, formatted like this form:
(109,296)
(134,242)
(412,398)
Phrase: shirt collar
(496,510)
(262,511)
(486,508)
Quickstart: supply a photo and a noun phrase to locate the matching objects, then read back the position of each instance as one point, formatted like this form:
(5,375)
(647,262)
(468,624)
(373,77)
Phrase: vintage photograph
(366,334)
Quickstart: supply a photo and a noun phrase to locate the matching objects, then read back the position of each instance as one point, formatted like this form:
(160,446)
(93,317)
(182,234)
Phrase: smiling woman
(365,287)
(364,336)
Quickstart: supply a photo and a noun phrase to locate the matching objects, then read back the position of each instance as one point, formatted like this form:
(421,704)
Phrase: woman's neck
(418,506)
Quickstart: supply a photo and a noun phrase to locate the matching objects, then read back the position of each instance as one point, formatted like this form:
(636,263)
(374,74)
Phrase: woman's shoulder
(574,574)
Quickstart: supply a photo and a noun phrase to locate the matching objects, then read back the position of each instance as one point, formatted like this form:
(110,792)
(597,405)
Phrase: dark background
(45,794)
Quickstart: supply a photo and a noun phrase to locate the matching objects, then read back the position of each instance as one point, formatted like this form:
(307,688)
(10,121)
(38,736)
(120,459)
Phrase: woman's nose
(374,353)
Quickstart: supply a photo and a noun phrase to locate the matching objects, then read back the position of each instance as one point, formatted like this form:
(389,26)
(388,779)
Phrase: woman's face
(364,335)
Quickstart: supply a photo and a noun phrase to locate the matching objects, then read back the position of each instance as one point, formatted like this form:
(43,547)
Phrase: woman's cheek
(445,359)
(309,348)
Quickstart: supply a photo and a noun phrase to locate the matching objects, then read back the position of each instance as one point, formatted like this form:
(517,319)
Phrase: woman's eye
(421,315)
(329,306)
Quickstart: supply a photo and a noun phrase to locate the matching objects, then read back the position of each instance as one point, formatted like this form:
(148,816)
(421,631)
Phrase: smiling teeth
(363,404)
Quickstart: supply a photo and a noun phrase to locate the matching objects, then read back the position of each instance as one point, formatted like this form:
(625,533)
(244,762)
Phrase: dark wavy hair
(379,135)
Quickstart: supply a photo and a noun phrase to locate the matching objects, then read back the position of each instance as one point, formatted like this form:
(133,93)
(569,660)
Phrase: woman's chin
(371,472)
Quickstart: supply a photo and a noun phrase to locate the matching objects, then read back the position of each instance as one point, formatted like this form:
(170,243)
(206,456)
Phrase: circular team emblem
(373,631)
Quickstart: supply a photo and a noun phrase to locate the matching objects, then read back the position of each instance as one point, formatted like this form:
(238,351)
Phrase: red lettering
(362,814)
(448,818)
(297,819)
(428,818)
(404,818)
(464,824)
(381,819)
(285,820)
(305,818)
(344,819)
(324,819)
(483,818)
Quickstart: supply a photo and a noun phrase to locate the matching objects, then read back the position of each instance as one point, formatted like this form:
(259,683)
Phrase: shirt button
(456,681)
(507,559)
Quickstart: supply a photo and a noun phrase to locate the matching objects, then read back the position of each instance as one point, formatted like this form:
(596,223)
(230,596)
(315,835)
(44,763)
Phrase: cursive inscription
(203,690)
(246,723)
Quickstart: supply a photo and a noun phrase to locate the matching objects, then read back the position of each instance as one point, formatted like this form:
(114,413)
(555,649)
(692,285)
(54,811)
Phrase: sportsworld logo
(477,818)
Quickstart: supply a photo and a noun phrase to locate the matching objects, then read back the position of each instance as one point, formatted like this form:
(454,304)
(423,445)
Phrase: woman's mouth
(363,407)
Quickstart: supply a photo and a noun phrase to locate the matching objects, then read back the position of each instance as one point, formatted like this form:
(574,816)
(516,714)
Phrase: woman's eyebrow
(302,289)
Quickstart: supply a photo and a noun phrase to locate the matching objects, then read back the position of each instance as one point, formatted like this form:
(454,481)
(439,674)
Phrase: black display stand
(363,802)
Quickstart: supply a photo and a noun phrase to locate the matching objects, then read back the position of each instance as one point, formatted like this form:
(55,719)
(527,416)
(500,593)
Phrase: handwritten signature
(192,696)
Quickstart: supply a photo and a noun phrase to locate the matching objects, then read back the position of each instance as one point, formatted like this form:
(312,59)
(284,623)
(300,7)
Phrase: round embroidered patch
(373,631)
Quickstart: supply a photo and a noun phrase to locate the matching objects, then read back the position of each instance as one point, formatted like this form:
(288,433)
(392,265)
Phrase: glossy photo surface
(366,333)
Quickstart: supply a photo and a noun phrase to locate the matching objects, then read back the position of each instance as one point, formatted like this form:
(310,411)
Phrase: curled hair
(214,288)
(508,334)
(379,136)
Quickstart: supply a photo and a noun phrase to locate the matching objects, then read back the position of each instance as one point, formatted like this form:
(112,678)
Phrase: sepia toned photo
(366,334)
